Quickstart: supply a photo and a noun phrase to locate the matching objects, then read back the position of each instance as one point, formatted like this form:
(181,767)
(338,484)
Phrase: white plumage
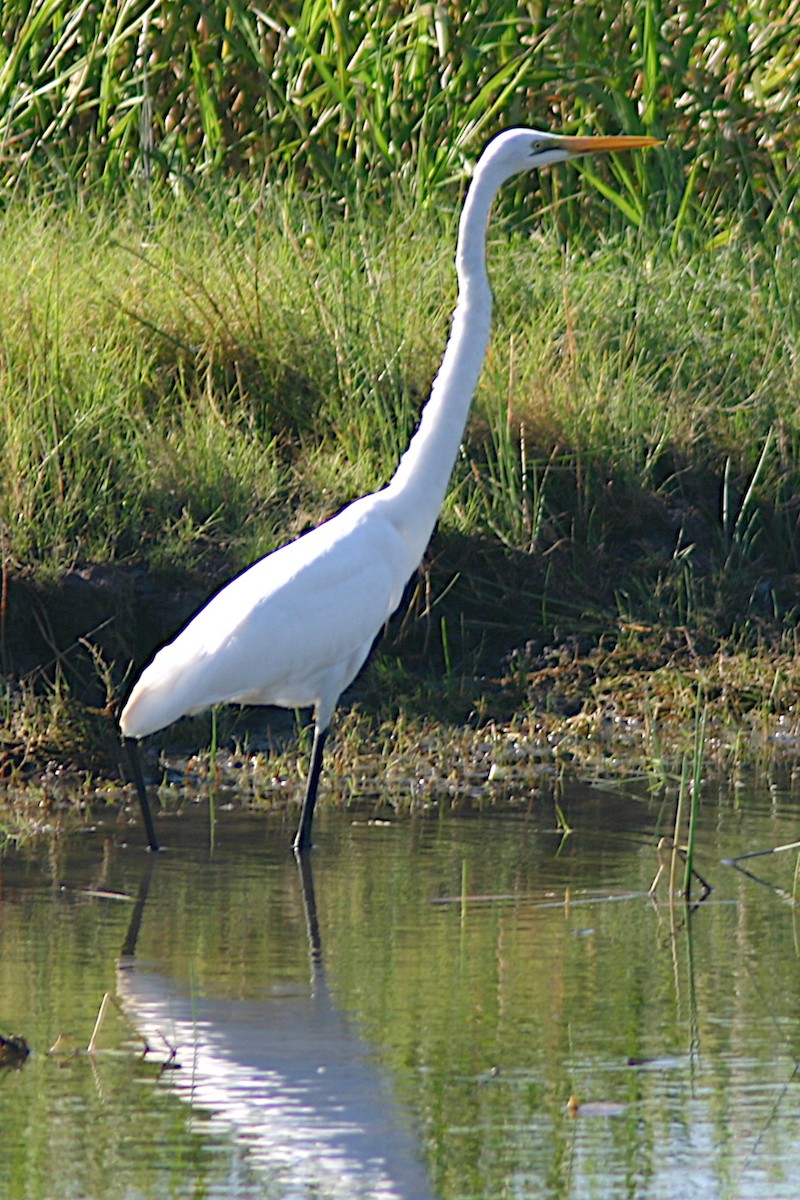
(296,627)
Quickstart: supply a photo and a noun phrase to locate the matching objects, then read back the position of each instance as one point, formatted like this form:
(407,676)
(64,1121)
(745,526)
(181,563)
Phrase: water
(412,1020)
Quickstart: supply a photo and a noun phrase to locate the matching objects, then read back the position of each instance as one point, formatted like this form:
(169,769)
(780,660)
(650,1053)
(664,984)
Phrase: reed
(226,252)
(696,781)
(353,102)
(192,393)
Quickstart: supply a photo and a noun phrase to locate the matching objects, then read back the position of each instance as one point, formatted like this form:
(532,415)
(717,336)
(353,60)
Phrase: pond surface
(414,1019)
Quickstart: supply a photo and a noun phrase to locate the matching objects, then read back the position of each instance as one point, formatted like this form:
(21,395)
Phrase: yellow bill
(604,145)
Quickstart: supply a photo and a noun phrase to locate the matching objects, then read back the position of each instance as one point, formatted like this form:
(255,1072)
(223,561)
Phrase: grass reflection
(490,977)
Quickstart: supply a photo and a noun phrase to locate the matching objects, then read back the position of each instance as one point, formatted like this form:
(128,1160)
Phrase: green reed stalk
(117,93)
(698,758)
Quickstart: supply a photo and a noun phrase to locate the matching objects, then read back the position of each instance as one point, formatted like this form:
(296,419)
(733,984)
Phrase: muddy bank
(486,637)
(101,622)
(476,607)
(61,623)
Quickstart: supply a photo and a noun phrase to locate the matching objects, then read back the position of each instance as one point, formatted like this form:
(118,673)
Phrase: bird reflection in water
(286,1076)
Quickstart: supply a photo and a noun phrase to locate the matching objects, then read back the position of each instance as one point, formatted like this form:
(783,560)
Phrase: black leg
(132,936)
(132,750)
(310,907)
(302,839)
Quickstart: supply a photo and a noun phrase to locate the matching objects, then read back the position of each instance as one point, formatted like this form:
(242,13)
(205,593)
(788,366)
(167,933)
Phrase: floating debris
(13,1051)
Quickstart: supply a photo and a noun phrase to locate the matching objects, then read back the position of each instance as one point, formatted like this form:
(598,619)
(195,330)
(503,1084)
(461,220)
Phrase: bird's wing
(292,630)
(312,634)
(302,619)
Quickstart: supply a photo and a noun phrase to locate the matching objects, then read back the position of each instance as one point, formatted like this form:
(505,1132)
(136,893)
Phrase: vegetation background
(225,280)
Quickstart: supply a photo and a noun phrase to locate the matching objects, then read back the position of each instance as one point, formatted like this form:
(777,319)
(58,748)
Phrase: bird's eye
(537,146)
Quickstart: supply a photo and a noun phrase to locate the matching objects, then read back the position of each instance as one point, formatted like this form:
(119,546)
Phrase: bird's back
(292,630)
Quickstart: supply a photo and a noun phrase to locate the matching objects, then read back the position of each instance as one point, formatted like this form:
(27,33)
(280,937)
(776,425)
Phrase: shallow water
(412,1020)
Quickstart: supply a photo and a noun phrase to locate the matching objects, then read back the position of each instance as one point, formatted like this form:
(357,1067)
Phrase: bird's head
(526,149)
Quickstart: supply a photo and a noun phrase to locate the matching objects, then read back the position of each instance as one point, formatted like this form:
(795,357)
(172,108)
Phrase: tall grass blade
(698,759)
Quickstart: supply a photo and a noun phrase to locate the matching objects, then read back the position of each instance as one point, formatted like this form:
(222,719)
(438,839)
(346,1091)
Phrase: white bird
(296,627)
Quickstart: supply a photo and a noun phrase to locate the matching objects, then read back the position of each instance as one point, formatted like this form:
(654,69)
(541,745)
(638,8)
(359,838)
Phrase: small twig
(731,862)
(739,858)
(109,999)
(784,895)
(679,852)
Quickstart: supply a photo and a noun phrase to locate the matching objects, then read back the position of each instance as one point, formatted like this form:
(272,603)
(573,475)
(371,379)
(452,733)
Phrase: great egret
(296,627)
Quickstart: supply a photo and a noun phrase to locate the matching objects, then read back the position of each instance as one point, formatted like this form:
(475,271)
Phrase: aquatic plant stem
(696,782)
(676,834)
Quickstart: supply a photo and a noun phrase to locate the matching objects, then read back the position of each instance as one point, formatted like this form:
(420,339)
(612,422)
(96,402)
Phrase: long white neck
(423,473)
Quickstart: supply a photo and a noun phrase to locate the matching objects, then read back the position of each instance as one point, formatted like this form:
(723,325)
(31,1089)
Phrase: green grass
(355,102)
(226,275)
(192,389)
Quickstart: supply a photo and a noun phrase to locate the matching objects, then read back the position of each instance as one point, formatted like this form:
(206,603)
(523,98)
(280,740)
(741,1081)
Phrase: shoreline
(624,705)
